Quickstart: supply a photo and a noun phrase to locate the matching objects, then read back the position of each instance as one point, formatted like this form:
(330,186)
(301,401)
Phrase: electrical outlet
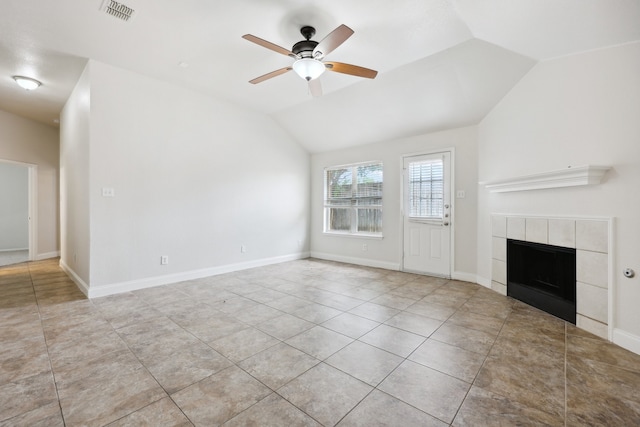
(460,194)
(243,249)
(108,192)
(365,248)
(299,244)
(164,260)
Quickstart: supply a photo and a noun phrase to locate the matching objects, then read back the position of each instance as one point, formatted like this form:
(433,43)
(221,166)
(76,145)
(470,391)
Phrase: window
(426,189)
(353,199)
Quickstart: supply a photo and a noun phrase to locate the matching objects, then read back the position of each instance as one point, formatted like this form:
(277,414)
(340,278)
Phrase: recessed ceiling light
(183,64)
(27,82)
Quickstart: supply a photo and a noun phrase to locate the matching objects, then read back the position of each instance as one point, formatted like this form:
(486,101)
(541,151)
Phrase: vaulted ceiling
(441,63)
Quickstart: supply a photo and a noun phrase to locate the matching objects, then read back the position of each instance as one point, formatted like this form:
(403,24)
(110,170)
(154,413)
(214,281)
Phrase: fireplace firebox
(543,276)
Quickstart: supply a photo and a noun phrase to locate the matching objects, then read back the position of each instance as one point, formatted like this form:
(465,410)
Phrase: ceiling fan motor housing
(304,48)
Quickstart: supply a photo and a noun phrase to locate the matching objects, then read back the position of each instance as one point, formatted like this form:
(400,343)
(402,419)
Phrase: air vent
(118,10)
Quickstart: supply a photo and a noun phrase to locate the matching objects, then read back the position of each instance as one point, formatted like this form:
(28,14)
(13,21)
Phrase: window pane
(426,189)
(369,181)
(338,219)
(370,220)
(339,184)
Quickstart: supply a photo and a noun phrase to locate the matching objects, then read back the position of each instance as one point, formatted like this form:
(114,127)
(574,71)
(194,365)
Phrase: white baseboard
(14,250)
(626,340)
(76,279)
(483,281)
(357,261)
(149,282)
(465,277)
(47,255)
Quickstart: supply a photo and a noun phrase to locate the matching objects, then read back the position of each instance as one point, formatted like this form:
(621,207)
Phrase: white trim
(33,211)
(149,282)
(356,235)
(357,261)
(47,255)
(569,177)
(14,249)
(465,277)
(626,340)
(483,281)
(84,288)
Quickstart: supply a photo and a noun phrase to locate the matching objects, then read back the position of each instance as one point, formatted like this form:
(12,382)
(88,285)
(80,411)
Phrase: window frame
(353,207)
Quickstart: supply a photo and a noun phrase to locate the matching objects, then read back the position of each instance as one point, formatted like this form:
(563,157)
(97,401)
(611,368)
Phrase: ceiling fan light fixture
(308,68)
(27,83)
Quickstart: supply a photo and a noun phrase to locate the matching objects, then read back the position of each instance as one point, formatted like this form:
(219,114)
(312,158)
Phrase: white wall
(387,252)
(26,141)
(14,206)
(75,124)
(194,178)
(577,110)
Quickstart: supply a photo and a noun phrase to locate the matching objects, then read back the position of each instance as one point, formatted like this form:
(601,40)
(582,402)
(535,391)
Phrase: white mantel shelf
(569,177)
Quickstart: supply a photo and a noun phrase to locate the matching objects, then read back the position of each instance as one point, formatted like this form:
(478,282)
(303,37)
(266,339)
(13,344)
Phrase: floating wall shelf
(569,177)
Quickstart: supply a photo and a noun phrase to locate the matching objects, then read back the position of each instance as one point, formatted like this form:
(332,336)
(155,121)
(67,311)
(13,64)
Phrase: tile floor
(303,343)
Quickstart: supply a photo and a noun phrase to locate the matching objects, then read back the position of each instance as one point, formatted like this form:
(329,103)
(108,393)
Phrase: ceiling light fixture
(27,82)
(308,68)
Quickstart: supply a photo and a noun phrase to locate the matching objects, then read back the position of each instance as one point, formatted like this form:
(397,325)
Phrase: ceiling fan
(309,57)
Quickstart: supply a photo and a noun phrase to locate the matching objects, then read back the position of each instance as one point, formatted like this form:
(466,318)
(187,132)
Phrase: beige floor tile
(325,393)
(319,342)
(433,392)
(257,314)
(116,384)
(433,311)
(243,344)
(380,409)
(26,395)
(284,326)
(272,411)
(350,325)
(601,394)
(163,413)
(278,365)
(365,362)
(45,416)
(316,313)
(375,312)
(481,405)
(468,339)
(393,340)
(220,397)
(414,323)
(394,301)
(448,359)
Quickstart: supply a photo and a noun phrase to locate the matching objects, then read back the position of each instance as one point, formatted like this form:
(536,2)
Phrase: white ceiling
(441,63)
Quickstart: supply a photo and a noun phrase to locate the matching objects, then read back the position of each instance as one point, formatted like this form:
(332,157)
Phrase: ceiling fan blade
(332,41)
(315,88)
(270,75)
(269,45)
(354,70)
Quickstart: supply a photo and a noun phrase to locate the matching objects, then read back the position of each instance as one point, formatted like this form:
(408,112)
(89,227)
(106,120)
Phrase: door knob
(446,223)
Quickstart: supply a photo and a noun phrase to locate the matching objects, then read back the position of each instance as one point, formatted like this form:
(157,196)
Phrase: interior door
(427,214)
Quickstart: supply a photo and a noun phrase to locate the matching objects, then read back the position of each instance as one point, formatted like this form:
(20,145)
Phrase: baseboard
(465,277)
(84,288)
(483,281)
(14,250)
(357,261)
(626,340)
(149,282)
(47,255)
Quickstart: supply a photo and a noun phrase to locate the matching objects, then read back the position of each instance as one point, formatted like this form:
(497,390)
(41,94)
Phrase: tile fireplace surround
(590,238)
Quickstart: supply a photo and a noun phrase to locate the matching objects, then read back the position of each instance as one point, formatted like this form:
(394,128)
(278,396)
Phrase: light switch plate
(108,192)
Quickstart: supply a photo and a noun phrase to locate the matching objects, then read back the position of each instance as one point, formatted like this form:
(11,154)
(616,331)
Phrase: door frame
(32,197)
(452,222)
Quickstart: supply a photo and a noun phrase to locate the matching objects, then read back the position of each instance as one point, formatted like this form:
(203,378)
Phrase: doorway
(17,212)
(427,214)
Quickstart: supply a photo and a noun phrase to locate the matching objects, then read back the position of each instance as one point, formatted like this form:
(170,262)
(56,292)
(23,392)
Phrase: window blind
(426,189)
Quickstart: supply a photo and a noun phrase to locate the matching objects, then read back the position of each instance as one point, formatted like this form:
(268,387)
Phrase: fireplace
(543,276)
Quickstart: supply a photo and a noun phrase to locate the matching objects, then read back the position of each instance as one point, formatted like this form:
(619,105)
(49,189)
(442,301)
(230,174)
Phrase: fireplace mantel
(569,177)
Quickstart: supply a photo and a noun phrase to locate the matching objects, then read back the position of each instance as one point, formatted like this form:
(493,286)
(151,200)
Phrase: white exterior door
(427,214)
